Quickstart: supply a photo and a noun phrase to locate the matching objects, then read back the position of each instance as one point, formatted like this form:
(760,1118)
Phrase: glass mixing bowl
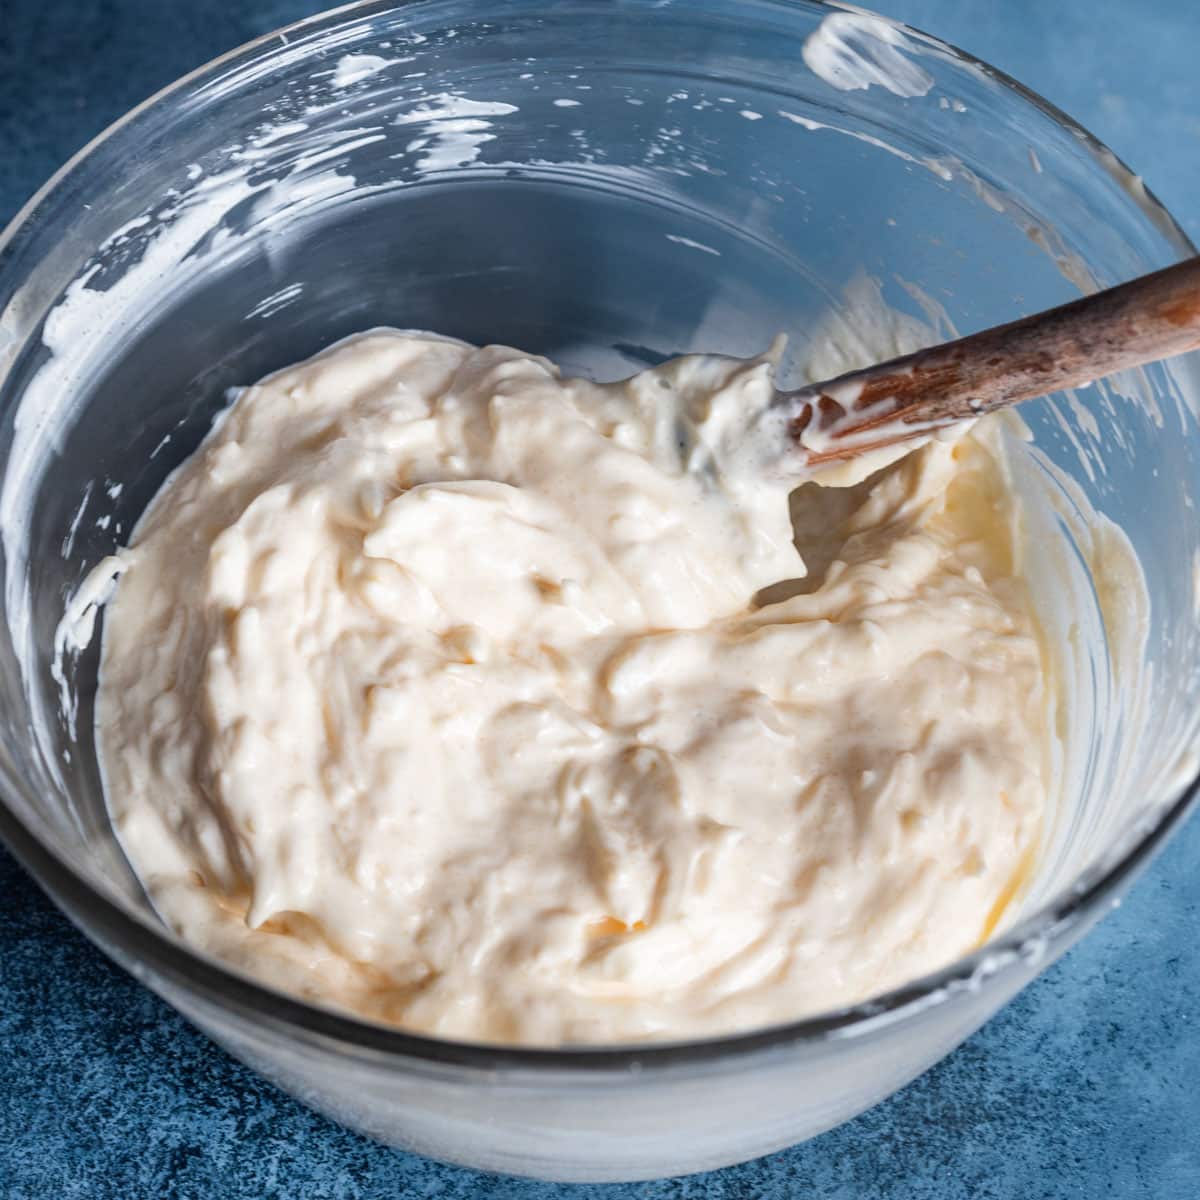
(606,182)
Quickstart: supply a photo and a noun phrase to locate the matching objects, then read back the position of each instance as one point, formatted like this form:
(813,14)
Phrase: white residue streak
(853,50)
(276,133)
(351,68)
(934,310)
(69,541)
(683,241)
(1084,417)
(943,168)
(276,300)
(796,119)
(456,129)
(563,102)
(278,203)
(74,631)
(337,149)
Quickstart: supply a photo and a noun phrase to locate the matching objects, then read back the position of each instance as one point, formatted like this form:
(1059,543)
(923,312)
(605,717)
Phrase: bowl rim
(151,952)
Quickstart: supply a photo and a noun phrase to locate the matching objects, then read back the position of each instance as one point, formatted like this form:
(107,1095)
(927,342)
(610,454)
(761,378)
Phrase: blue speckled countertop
(1088,1085)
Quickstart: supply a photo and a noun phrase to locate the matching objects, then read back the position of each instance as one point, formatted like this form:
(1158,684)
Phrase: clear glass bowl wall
(606,182)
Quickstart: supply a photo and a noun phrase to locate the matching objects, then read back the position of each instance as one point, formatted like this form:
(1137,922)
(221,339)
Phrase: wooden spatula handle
(1153,317)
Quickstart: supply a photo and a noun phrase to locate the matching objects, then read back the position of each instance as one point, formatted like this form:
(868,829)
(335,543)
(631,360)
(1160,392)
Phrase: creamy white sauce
(502,706)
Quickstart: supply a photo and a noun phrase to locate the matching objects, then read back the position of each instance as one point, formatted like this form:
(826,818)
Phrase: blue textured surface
(1088,1085)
